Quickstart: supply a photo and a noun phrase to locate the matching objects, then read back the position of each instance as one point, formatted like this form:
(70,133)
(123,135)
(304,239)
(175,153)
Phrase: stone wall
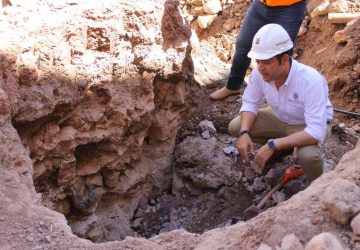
(96,92)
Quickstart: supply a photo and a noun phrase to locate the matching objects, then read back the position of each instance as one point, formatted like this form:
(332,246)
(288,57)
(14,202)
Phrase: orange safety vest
(274,3)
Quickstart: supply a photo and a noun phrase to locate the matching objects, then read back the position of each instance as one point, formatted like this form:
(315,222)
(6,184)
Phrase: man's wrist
(244,131)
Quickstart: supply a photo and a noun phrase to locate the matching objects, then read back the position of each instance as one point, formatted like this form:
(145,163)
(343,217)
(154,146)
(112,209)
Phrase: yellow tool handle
(273,190)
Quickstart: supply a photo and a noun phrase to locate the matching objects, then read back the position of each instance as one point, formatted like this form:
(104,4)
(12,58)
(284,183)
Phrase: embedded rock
(342,199)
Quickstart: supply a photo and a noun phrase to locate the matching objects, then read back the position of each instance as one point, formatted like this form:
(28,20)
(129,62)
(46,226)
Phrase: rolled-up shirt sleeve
(315,110)
(253,95)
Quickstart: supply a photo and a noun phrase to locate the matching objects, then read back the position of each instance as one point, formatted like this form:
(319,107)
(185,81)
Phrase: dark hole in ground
(194,213)
(195,209)
(209,209)
(200,210)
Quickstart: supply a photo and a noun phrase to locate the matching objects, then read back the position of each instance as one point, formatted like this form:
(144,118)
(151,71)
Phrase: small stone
(137,222)
(324,241)
(229,24)
(278,197)
(207,125)
(258,185)
(321,10)
(250,188)
(228,222)
(200,176)
(228,150)
(355,224)
(205,134)
(315,221)
(173,215)
(212,7)
(291,242)
(141,212)
(143,202)
(255,167)
(153,209)
(249,173)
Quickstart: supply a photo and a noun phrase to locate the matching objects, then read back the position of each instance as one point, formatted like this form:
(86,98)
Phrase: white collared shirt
(302,99)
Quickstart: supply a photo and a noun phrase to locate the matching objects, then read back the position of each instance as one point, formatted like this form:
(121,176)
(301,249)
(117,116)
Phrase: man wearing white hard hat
(299,111)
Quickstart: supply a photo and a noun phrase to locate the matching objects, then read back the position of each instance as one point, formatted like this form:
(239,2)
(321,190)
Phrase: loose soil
(207,209)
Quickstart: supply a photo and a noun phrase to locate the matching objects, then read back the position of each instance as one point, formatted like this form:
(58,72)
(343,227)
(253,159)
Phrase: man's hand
(263,155)
(243,145)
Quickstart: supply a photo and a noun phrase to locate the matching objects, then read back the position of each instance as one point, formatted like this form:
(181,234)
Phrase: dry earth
(100,138)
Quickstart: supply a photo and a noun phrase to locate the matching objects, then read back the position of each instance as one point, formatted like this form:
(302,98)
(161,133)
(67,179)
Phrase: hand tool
(290,173)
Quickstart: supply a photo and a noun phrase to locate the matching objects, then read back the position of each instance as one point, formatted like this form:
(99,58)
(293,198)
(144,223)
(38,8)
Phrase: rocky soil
(172,211)
(109,140)
(212,186)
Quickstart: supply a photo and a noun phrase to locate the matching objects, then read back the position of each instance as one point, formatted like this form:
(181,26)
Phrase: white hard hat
(271,40)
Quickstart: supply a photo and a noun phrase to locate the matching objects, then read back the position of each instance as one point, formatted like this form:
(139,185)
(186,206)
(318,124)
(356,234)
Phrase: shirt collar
(292,71)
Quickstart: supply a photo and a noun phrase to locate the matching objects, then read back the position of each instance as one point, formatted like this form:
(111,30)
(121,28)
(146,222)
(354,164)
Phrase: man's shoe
(223,93)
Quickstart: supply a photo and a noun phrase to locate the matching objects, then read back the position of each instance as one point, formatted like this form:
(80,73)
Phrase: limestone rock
(342,199)
(207,125)
(205,21)
(355,224)
(205,134)
(258,185)
(322,9)
(339,6)
(340,37)
(229,24)
(229,150)
(197,11)
(279,197)
(291,242)
(212,7)
(346,57)
(197,2)
(324,241)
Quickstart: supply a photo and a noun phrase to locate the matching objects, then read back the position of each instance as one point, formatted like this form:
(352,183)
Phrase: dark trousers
(258,15)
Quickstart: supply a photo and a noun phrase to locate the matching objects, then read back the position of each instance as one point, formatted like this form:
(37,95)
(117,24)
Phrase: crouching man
(299,111)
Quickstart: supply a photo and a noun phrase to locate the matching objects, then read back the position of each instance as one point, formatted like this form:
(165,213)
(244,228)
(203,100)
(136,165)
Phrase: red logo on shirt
(296,96)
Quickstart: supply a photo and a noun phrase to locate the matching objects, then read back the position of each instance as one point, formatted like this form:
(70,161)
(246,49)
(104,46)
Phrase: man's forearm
(247,120)
(297,139)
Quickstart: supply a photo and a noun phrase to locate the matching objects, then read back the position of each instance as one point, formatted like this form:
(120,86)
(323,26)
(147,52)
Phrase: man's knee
(310,158)
(234,126)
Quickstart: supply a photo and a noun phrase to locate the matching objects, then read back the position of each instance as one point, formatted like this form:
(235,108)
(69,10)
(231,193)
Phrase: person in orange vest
(288,13)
